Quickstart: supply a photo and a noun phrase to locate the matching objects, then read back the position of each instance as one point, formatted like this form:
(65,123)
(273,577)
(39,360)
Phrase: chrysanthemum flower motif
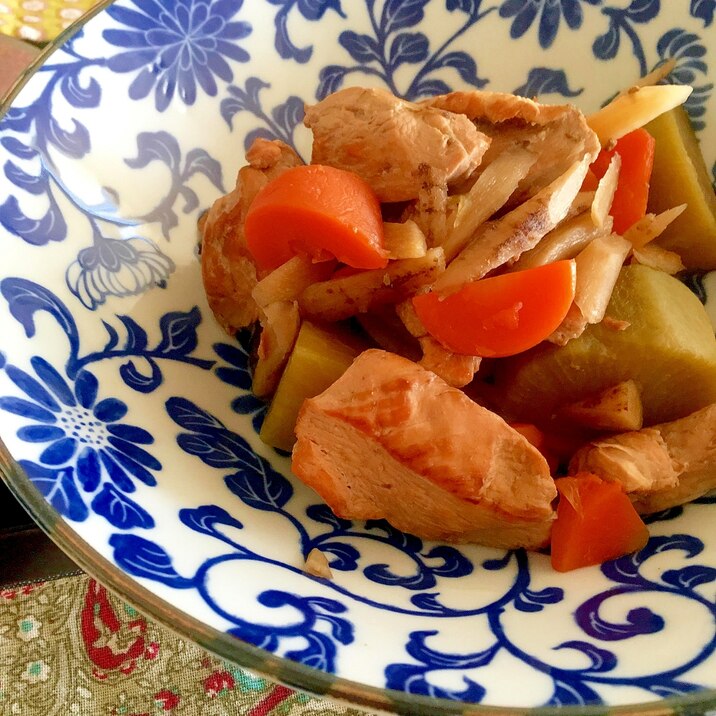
(28,628)
(117,267)
(173,45)
(548,14)
(79,428)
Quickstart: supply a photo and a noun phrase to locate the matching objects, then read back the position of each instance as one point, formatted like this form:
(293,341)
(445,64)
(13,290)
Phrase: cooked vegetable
(651,226)
(598,268)
(636,150)
(633,110)
(319,357)
(595,522)
(287,282)
(668,349)
(431,206)
(564,242)
(505,239)
(616,408)
(502,315)
(605,190)
(488,194)
(658,258)
(406,312)
(319,211)
(661,72)
(404,241)
(280,324)
(345,296)
(680,177)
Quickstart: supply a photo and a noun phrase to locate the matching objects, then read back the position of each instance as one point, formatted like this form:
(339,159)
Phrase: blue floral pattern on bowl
(131,412)
(185,47)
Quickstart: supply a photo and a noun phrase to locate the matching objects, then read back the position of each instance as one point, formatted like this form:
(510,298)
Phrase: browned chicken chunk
(228,270)
(557,134)
(386,140)
(661,466)
(392,440)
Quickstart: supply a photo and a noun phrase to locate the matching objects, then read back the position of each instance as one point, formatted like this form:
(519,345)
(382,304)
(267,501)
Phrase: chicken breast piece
(385,140)
(392,440)
(661,466)
(228,270)
(558,134)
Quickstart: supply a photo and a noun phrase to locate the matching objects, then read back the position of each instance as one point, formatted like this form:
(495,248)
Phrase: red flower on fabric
(166,699)
(219,681)
(112,644)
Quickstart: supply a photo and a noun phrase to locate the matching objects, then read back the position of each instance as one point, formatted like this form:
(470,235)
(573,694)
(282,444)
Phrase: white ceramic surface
(129,410)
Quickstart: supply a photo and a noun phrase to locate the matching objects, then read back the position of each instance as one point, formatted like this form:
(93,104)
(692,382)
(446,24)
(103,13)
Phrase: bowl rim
(233,649)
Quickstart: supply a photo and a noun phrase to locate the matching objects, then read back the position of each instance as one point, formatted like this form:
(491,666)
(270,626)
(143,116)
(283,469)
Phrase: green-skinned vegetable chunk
(656,333)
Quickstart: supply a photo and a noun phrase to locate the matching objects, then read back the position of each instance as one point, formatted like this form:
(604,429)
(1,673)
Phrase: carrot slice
(502,315)
(595,522)
(636,150)
(320,211)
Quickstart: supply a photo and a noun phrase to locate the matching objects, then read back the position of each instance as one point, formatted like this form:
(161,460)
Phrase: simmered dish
(471,319)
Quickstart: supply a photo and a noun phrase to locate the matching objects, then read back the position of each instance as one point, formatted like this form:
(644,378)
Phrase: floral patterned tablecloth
(70,648)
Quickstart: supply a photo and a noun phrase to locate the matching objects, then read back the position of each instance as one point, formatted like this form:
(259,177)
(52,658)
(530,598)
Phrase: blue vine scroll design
(622,23)
(91,458)
(689,52)
(280,123)
(393,43)
(141,557)
(579,686)
(311,10)
(547,14)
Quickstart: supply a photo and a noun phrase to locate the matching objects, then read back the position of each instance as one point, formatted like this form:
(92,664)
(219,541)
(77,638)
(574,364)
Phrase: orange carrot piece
(636,150)
(501,315)
(320,211)
(595,522)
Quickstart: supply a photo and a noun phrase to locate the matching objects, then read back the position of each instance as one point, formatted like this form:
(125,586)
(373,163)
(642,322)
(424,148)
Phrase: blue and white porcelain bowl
(128,415)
